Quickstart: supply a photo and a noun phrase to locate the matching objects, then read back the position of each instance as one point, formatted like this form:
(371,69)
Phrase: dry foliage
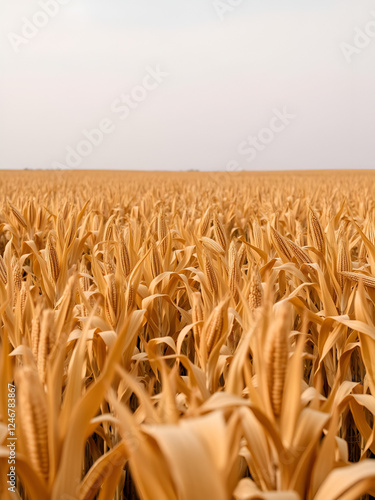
(188,336)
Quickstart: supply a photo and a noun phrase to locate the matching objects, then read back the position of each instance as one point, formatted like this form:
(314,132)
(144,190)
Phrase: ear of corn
(256,290)
(205,222)
(316,231)
(52,259)
(3,271)
(197,315)
(33,420)
(276,359)
(281,245)
(210,274)
(219,231)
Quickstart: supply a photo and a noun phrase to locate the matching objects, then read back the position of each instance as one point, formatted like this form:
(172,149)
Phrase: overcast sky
(187,84)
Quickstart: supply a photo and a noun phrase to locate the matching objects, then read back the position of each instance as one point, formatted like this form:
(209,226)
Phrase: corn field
(188,336)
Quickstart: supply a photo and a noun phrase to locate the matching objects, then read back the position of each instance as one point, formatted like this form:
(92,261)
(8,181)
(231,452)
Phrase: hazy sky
(187,84)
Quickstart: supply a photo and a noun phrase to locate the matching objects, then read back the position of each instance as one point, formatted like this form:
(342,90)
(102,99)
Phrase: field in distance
(187,335)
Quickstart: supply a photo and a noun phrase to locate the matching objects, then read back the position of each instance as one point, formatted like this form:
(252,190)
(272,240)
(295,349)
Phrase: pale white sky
(226,80)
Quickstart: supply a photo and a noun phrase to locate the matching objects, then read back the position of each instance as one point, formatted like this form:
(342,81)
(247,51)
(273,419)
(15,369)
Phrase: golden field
(188,336)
